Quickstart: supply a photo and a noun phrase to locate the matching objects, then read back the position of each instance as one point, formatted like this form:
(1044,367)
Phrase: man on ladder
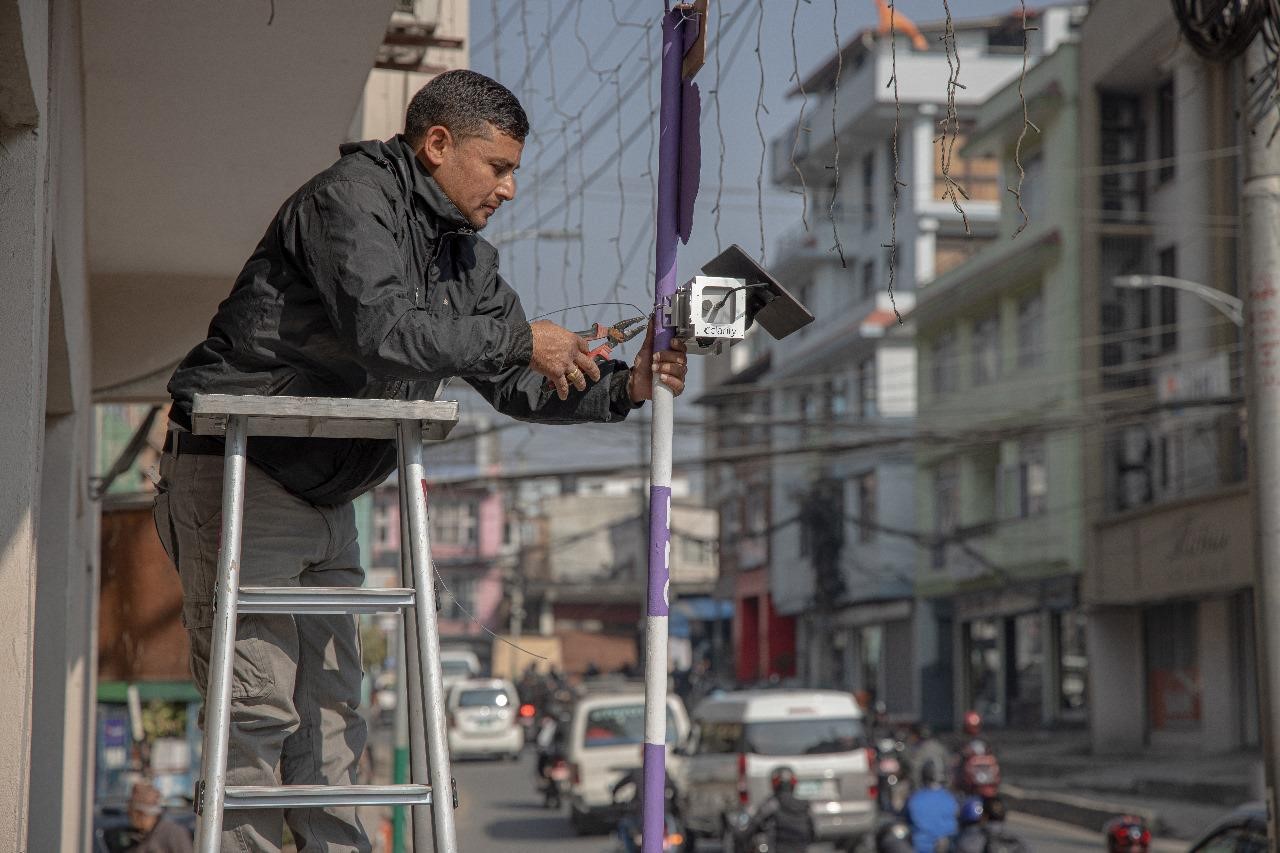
(370,282)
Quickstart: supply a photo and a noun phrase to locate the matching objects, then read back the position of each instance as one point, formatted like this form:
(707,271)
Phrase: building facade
(823,423)
(999,480)
(1170,559)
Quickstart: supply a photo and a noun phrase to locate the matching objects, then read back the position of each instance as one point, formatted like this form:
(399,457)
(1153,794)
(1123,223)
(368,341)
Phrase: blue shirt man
(931,811)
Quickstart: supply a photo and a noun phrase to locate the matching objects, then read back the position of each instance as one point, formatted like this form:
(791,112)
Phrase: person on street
(926,748)
(156,833)
(784,817)
(371,281)
(931,812)
(973,834)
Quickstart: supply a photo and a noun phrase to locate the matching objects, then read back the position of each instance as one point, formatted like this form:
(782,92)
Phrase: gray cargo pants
(296,682)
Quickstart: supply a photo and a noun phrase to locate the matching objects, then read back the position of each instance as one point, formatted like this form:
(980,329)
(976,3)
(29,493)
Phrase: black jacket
(786,819)
(370,283)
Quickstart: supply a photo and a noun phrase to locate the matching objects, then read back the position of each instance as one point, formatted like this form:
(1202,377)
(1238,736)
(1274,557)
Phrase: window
(620,725)
(985,349)
(950,251)
(946,508)
(868,190)
(719,738)
(460,597)
(816,736)
(454,523)
(1031,330)
(838,394)
(942,367)
(867,388)
(1121,129)
(695,551)
(868,279)
(1166,146)
(483,698)
(1033,479)
(867,510)
(978,177)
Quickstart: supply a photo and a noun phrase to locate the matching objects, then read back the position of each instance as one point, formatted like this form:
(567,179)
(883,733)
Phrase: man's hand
(561,356)
(669,367)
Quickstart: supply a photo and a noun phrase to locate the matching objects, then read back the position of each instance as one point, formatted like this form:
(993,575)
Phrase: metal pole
(217,717)
(419,765)
(424,611)
(400,771)
(1262,335)
(655,635)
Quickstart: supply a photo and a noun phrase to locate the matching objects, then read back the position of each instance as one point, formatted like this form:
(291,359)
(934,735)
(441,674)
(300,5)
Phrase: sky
(587,74)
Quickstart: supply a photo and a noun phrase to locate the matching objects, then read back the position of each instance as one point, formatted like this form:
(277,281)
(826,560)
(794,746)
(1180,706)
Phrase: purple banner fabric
(690,155)
(659,549)
(669,139)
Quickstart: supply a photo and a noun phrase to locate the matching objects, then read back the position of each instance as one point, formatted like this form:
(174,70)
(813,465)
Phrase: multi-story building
(815,432)
(998,466)
(1168,575)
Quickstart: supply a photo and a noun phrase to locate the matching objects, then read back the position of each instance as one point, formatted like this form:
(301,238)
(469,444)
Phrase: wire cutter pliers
(618,333)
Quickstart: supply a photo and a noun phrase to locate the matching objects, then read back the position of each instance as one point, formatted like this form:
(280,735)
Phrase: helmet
(1127,834)
(930,773)
(782,779)
(971,811)
(972,722)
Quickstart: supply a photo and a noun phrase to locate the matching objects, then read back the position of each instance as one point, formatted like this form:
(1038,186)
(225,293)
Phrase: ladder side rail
(415,475)
(419,763)
(217,724)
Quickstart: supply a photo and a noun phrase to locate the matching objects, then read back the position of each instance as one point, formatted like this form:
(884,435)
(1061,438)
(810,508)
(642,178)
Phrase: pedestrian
(156,833)
(371,281)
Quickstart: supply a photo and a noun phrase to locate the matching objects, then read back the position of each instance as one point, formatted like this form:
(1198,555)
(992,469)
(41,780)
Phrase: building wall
(48,568)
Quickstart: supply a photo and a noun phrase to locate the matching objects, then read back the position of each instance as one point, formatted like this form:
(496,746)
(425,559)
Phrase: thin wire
(835,135)
(800,128)
(898,183)
(590,305)
(1026,123)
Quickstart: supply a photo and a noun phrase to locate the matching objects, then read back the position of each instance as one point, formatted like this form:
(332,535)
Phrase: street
(499,812)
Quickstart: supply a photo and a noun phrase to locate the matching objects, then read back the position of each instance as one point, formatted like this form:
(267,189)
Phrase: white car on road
(483,719)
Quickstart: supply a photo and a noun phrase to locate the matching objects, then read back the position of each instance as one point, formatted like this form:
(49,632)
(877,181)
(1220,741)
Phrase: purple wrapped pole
(655,636)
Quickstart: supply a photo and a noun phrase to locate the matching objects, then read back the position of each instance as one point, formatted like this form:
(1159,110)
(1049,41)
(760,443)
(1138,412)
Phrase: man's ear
(436,145)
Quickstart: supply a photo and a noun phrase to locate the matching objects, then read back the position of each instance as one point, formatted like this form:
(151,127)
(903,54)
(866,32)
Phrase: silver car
(739,739)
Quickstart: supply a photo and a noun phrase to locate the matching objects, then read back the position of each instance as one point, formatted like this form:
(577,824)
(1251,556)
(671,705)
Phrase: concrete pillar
(1220,716)
(1051,667)
(24,270)
(1117,682)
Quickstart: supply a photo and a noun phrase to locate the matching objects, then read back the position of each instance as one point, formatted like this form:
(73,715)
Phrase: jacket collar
(397,155)
(425,187)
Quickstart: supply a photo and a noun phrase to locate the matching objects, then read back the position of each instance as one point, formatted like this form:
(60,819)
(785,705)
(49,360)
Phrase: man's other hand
(561,356)
(668,367)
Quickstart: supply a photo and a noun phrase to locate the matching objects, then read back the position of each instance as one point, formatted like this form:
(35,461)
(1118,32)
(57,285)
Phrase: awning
(697,609)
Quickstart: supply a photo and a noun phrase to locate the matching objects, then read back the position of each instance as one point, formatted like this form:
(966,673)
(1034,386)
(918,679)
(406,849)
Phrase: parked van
(738,740)
(457,665)
(606,733)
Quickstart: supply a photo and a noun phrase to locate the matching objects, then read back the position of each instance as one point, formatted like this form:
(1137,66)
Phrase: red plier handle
(620,332)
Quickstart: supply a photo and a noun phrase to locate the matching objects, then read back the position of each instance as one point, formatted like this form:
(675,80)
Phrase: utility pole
(1261,213)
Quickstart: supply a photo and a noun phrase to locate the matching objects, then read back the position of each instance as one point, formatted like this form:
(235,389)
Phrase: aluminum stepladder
(409,423)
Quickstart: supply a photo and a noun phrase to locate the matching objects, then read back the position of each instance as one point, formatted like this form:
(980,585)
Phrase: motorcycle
(891,776)
(979,770)
(630,828)
(551,770)
(894,836)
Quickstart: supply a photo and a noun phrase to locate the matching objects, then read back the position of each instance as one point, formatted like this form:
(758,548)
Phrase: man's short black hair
(464,101)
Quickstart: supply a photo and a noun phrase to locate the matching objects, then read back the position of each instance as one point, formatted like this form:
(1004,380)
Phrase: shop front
(1169,597)
(867,649)
(764,640)
(1021,654)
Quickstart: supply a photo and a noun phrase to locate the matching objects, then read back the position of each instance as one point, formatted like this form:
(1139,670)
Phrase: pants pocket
(252,672)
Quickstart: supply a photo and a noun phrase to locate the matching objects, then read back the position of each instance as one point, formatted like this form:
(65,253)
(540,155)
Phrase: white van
(606,734)
(457,665)
(738,740)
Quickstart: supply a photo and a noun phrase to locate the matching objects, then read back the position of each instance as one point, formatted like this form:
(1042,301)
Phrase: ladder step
(323,796)
(322,599)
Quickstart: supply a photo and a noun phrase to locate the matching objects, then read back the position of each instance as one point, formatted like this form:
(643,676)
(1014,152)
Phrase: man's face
(477,173)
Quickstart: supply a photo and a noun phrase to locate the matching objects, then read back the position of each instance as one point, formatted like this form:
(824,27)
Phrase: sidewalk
(1053,774)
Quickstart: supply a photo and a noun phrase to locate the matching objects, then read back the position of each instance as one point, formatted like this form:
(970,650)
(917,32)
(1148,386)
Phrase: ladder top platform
(322,417)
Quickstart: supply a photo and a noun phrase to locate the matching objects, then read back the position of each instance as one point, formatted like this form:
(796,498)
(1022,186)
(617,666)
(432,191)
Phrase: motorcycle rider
(784,817)
(973,834)
(931,811)
(925,748)
(977,771)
